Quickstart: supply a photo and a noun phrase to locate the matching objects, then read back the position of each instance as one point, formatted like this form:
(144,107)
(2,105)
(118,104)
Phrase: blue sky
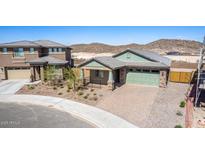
(104,34)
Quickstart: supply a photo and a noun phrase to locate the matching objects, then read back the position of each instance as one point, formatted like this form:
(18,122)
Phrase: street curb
(98,117)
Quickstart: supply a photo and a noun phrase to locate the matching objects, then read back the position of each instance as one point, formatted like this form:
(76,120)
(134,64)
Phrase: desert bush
(60,93)
(80,93)
(54,88)
(182,104)
(95,98)
(30,87)
(179,113)
(68,90)
(92,90)
(178,126)
(85,97)
(94,94)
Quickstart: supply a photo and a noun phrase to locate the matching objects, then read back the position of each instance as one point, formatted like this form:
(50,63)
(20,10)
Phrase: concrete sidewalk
(11,86)
(98,117)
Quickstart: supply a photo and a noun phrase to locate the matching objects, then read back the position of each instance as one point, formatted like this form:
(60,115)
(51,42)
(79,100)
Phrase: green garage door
(144,78)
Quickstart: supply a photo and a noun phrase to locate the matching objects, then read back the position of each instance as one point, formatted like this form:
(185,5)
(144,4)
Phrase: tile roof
(110,62)
(113,63)
(48,43)
(38,43)
(146,64)
(149,55)
(47,59)
(19,44)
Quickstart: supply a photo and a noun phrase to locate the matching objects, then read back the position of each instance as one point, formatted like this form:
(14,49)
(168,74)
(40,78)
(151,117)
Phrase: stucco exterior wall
(163,78)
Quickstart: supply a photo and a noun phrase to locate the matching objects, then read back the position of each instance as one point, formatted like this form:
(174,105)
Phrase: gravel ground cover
(88,95)
(165,112)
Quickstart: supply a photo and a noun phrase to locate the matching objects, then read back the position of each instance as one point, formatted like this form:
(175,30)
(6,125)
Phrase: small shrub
(60,93)
(68,90)
(80,93)
(62,87)
(92,90)
(54,88)
(85,97)
(95,98)
(179,113)
(87,94)
(94,94)
(30,87)
(178,126)
(182,104)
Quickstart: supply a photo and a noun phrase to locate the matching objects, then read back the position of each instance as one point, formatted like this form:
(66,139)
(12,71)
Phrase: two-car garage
(143,77)
(18,73)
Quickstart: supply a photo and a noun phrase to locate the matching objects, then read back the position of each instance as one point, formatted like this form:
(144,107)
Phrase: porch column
(42,73)
(32,74)
(110,80)
(82,76)
(163,79)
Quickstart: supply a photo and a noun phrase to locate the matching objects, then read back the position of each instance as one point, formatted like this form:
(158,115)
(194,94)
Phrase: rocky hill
(161,46)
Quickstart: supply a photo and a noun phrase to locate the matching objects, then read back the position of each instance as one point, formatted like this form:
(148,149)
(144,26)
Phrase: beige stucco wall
(97,80)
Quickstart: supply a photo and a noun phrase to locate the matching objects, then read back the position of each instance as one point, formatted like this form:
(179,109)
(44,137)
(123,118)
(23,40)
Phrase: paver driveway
(131,102)
(11,86)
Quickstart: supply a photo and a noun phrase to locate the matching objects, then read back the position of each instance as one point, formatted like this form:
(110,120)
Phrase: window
(146,70)
(31,50)
(155,71)
(99,74)
(5,50)
(49,49)
(54,49)
(18,52)
(131,70)
(60,50)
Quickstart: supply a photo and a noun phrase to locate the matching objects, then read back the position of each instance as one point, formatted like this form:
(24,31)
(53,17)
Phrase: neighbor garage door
(18,73)
(143,78)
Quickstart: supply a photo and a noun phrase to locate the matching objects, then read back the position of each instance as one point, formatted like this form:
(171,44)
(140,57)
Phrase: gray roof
(113,63)
(146,64)
(48,43)
(110,62)
(149,55)
(19,44)
(38,43)
(49,60)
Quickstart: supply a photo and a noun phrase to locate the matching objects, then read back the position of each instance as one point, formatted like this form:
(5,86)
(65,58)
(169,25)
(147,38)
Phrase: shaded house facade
(130,67)
(28,59)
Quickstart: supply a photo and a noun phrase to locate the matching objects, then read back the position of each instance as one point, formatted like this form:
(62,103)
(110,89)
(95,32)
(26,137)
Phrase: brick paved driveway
(131,102)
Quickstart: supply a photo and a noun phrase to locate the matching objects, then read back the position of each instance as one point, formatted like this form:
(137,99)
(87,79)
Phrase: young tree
(72,76)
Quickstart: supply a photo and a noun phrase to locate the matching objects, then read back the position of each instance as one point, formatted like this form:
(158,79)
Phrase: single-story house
(130,67)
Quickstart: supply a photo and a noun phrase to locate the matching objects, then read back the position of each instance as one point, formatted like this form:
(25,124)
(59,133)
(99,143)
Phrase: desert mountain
(161,46)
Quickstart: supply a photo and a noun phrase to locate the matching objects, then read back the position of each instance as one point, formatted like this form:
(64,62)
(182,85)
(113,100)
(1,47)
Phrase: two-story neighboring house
(28,59)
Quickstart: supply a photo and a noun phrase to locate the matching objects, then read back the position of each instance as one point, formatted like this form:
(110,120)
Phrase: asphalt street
(33,116)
